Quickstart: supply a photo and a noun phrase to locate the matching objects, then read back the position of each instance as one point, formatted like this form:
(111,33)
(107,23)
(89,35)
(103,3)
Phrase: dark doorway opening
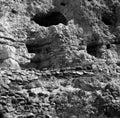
(51,18)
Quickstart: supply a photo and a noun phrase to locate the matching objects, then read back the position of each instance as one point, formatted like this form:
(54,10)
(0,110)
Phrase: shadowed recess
(93,49)
(51,18)
(33,48)
(109,19)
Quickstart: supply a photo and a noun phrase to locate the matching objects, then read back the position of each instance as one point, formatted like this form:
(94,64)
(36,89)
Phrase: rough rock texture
(59,59)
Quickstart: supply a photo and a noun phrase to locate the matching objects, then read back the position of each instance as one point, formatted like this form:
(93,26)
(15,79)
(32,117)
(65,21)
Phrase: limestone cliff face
(59,58)
(92,26)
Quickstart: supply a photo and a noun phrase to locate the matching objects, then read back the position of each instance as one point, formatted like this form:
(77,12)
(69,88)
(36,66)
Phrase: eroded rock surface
(59,59)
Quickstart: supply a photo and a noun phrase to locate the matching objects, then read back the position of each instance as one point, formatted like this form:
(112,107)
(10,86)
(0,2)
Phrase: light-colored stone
(10,63)
(7,51)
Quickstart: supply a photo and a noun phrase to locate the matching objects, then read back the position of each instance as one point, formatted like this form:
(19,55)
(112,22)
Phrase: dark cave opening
(109,19)
(92,49)
(51,18)
(63,4)
(33,48)
(14,11)
(108,46)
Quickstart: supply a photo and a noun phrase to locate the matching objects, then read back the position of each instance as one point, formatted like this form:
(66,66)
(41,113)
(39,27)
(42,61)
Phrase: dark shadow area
(108,46)
(109,19)
(2,115)
(51,18)
(63,4)
(33,48)
(93,49)
(38,47)
(14,11)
